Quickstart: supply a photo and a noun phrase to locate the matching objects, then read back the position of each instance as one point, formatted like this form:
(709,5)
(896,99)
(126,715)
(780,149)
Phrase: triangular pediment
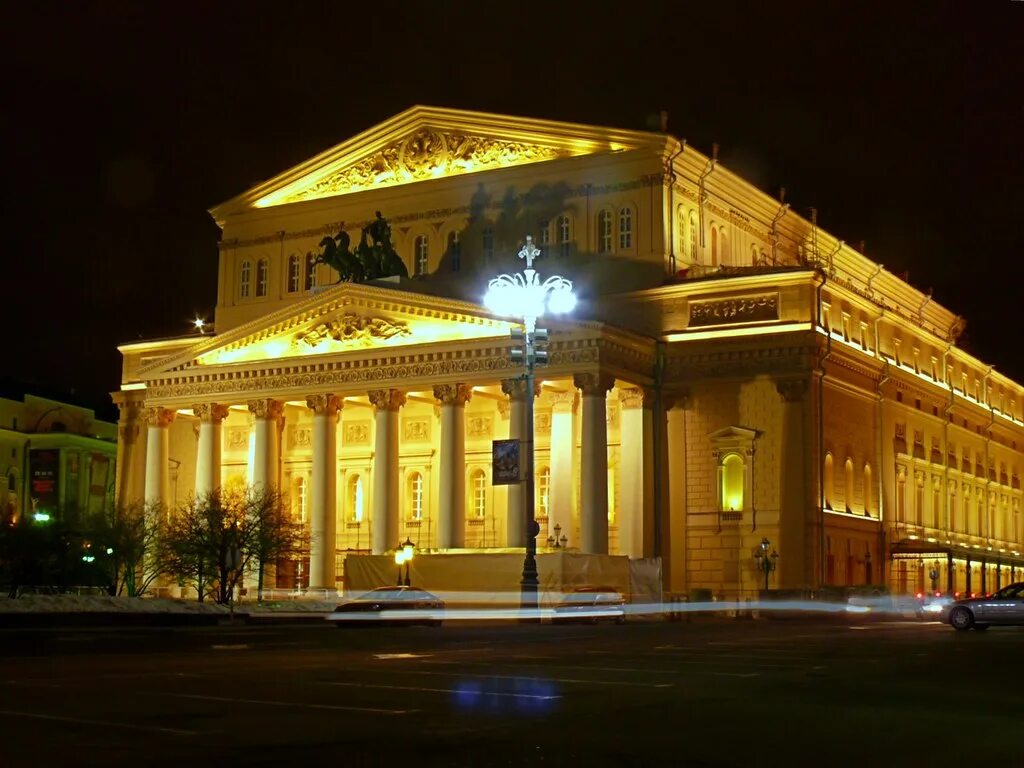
(425,143)
(348,318)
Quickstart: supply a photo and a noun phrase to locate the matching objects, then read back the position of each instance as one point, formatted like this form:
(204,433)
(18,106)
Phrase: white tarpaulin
(493,577)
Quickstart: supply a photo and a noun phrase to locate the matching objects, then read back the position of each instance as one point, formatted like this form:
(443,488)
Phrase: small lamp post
(524,295)
(558,541)
(403,555)
(766,562)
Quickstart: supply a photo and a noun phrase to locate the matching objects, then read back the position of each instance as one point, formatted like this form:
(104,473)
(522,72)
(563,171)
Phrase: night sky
(901,122)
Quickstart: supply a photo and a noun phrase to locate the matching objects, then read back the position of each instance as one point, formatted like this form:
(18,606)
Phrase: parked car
(391,605)
(591,604)
(1004,607)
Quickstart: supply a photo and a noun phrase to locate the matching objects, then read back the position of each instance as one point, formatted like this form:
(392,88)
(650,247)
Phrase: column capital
(636,397)
(266,408)
(453,394)
(593,384)
(792,390)
(386,399)
(211,413)
(160,417)
(324,405)
(128,432)
(129,409)
(563,400)
(516,388)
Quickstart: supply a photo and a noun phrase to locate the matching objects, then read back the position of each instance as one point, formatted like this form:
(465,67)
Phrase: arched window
(714,246)
(953,517)
(848,485)
(919,498)
(625,228)
(563,230)
(294,273)
(681,230)
(245,279)
(604,232)
(753,256)
(310,271)
(733,473)
(692,232)
(901,495)
(478,481)
(488,243)
(420,255)
(416,496)
(544,491)
(299,499)
(723,247)
(544,236)
(455,250)
(262,276)
(355,499)
(868,491)
(826,481)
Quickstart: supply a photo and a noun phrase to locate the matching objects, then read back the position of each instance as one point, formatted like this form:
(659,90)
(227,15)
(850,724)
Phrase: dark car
(391,605)
(1004,607)
(591,604)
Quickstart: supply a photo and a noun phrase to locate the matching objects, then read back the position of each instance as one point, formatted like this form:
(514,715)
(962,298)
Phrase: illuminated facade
(732,373)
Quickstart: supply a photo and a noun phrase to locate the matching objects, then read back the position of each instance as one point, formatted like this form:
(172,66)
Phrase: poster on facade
(44,473)
(505,462)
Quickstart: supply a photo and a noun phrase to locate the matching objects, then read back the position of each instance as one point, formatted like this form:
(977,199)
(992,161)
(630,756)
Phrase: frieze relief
(542,423)
(299,438)
(356,433)
(426,154)
(415,430)
(354,330)
(479,426)
(739,309)
(238,439)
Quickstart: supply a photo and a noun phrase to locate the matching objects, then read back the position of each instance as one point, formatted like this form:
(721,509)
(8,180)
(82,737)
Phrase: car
(1004,607)
(391,605)
(591,604)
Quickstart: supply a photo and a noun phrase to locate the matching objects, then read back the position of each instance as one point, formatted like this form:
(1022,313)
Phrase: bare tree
(127,538)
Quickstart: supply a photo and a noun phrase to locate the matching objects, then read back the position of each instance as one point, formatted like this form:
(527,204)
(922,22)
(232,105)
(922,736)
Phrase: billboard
(44,479)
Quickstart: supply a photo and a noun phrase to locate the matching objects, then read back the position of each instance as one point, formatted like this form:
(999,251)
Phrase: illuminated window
(714,246)
(827,481)
(488,242)
(868,491)
(723,247)
(626,228)
(310,271)
(604,232)
(681,227)
(692,232)
(479,483)
(356,499)
(294,273)
(421,254)
(563,228)
(848,489)
(245,280)
(953,517)
(299,499)
(919,498)
(544,236)
(455,250)
(733,474)
(416,496)
(544,491)
(901,495)
(262,276)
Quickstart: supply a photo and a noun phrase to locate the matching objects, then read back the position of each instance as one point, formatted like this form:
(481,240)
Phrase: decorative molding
(266,408)
(562,400)
(738,309)
(353,329)
(416,430)
(356,433)
(324,405)
(210,412)
(636,397)
(238,439)
(542,423)
(300,438)
(386,399)
(793,390)
(160,417)
(453,394)
(479,426)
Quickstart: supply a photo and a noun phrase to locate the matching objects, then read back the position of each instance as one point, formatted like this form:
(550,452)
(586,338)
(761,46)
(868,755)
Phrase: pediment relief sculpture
(354,330)
(428,153)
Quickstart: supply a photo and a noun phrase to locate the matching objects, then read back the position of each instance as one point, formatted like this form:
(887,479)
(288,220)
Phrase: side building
(733,373)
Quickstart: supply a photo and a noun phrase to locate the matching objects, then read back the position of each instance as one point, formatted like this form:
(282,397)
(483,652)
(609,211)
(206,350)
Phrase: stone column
(129,426)
(796,559)
(515,524)
(674,476)
(158,479)
(594,462)
(562,443)
(211,417)
(323,491)
(636,475)
(265,465)
(451,514)
(384,517)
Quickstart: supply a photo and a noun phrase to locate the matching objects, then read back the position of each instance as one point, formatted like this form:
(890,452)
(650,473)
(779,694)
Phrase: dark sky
(901,122)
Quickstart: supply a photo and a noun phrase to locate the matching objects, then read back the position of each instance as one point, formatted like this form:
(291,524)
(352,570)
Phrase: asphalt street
(714,692)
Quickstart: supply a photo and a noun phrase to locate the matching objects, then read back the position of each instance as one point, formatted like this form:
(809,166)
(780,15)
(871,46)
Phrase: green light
(88,558)
(42,517)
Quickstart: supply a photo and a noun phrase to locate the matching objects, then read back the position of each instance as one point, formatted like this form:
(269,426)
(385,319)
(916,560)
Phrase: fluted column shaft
(594,462)
(560,504)
(265,438)
(208,453)
(129,427)
(384,519)
(158,480)
(323,492)
(636,475)
(451,528)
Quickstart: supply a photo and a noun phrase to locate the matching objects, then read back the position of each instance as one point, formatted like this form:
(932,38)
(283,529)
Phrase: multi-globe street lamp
(523,295)
(403,556)
(765,561)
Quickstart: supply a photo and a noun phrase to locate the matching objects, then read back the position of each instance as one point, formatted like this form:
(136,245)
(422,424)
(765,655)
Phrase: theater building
(732,373)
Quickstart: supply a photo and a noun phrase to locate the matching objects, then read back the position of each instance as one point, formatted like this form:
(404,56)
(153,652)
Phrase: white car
(1004,607)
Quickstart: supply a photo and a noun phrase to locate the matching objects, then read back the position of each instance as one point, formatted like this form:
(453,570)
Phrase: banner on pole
(505,462)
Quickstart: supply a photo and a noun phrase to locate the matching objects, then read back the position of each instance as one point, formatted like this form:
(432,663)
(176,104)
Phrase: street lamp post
(524,295)
(403,555)
(765,561)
